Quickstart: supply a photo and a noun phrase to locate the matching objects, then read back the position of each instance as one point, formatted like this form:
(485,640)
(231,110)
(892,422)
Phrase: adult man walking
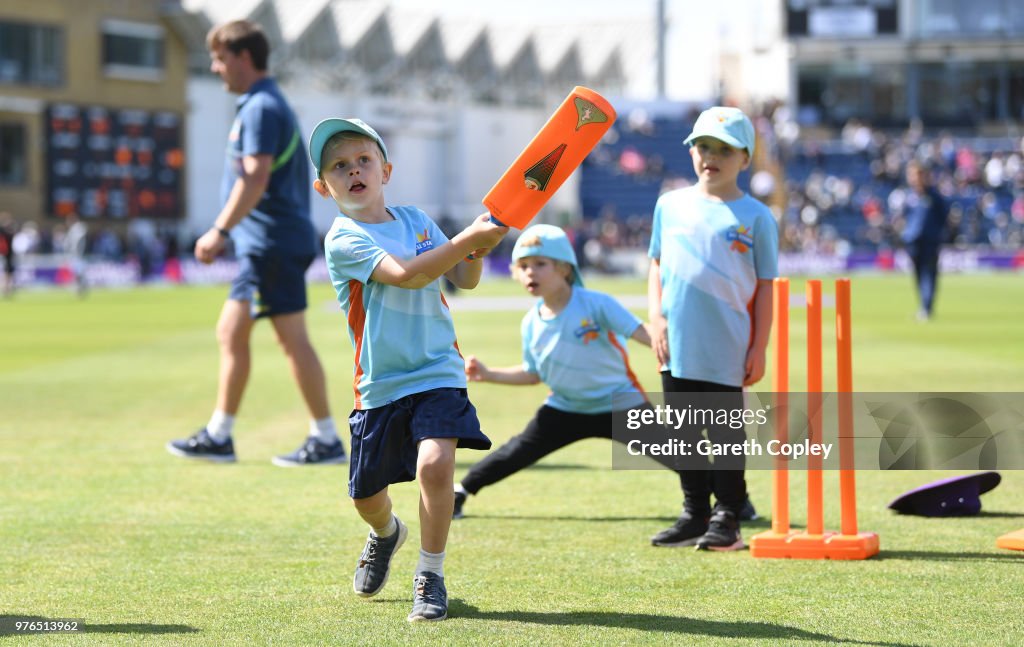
(266,213)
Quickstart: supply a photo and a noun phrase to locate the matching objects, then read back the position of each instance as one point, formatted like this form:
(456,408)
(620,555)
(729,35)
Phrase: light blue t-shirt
(581,353)
(711,255)
(404,340)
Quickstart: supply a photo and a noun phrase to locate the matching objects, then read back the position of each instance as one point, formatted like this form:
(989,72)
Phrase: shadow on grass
(747,526)
(940,556)
(967,517)
(554,467)
(9,628)
(523,517)
(655,622)
(1001,515)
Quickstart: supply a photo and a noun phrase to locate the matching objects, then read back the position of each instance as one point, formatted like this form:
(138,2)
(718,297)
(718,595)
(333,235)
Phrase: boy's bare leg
(375,510)
(435,470)
(387,537)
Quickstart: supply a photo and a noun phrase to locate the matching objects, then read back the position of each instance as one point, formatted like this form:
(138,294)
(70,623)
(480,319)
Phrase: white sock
(460,490)
(388,530)
(324,430)
(433,562)
(220,426)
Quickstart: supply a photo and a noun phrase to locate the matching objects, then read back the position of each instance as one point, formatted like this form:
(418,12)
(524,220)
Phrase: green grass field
(98,522)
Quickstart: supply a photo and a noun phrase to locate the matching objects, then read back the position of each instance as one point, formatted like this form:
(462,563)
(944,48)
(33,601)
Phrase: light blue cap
(548,241)
(729,125)
(330,127)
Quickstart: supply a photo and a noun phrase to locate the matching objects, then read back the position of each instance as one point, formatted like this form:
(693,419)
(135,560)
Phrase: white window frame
(116,27)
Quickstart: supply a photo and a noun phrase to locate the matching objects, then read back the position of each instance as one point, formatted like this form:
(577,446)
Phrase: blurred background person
(75,245)
(925,230)
(7,253)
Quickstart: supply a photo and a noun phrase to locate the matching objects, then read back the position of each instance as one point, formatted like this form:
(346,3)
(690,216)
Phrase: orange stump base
(1012,540)
(800,545)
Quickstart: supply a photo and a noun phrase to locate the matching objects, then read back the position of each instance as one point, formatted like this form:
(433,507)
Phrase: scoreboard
(113,163)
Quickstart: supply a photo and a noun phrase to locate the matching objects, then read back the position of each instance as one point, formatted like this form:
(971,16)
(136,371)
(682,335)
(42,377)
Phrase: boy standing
(714,253)
(411,405)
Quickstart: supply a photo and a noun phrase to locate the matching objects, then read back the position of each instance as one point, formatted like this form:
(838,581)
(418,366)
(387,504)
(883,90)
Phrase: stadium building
(92,110)
(888,62)
(455,99)
(108,108)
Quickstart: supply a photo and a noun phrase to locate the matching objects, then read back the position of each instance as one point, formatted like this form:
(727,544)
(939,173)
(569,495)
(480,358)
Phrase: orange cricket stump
(771,542)
(1012,540)
(763,543)
(815,542)
(855,545)
(815,501)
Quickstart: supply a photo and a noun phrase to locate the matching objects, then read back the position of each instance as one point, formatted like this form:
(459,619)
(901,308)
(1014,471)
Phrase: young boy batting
(411,406)
(714,253)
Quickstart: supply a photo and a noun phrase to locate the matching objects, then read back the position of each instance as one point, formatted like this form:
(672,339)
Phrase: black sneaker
(460,499)
(429,598)
(684,532)
(723,533)
(747,512)
(200,445)
(313,452)
(375,562)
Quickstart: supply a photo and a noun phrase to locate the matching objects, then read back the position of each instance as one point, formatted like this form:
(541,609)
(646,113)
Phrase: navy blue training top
(265,125)
(926,217)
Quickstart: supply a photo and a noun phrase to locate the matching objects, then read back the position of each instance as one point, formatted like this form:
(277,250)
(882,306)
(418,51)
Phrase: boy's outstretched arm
(658,324)
(466,275)
(477,371)
(642,334)
(427,267)
(762,325)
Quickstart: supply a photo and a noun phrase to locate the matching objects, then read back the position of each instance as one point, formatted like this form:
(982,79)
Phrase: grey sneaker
(375,562)
(313,452)
(460,500)
(748,512)
(684,532)
(200,445)
(723,533)
(429,598)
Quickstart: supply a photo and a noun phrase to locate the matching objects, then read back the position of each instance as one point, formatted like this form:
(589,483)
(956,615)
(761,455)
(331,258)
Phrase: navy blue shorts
(385,440)
(273,284)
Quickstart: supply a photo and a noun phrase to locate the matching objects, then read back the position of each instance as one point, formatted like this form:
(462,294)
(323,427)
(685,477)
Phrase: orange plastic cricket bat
(555,152)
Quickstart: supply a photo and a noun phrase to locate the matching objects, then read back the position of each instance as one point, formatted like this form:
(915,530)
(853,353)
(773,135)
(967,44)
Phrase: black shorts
(273,284)
(385,440)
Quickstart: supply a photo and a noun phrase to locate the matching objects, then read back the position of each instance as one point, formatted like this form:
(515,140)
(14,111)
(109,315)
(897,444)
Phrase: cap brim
(329,128)
(728,139)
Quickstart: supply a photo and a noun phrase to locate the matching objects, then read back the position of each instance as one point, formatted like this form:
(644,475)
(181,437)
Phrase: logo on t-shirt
(423,243)
(588,331)
(740,238)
